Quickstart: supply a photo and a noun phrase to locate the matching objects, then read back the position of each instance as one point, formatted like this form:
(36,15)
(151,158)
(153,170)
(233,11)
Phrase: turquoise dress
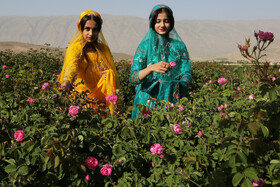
(174,83)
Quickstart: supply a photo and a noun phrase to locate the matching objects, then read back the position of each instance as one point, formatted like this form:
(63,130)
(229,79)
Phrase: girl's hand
(104,74)
(65,86)
(160,67)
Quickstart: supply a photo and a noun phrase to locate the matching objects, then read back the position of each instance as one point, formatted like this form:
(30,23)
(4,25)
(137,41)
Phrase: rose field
(228,134)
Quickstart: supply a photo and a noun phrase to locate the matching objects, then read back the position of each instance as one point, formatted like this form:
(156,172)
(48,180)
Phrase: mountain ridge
(205,39)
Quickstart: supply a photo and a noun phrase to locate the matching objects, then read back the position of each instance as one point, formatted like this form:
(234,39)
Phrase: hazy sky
(183,9)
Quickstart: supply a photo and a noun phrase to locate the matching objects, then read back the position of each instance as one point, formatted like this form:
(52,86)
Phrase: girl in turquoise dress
(161,66)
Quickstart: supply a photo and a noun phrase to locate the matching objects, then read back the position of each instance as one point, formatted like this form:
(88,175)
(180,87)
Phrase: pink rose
(4,67)
(88,178)
(225,105)
(265,35)
(200,134)
(45,85)
(156,149)
(181,108)
(273,78)
(206,83)
(7,76)
(53,75)
(210,82)
(226,116)
(222,106)
(238,88)
(221,114)
(19,135)
(161,156)
(169,106)
(172,64)
(167,116)
(106,170)
(260,182)
(31,101)
(222,80)
(73,110)
(176,128)
(251,97)
(219,108)
(112,98)
(91,162)
(244,47)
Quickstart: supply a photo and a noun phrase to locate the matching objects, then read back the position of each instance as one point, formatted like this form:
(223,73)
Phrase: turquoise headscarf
(153,49)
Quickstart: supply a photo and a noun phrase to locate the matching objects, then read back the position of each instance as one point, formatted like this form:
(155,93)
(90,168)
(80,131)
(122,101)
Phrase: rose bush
(209,150)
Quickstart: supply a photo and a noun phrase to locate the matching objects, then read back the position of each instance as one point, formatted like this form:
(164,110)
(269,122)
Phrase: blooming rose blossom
(172,64)
(73,110)
(238,88)
(260,182)
(53,75)
(106,169)
(218,134)
(167,116)
(7,76)
(222,80)
(161,156)
(91,162)
(210,82)
(181,108)
(226,116)
(153,164)
(200,134)
(4,67)
(113,98)
(88,178)
(19,135)
(224,69)
(251,97)
(273,78)
(244,47)
(221,114)
(206,83)
(265,35)
(176,128)
(156,149)
(219,108)
(169,106)
(225,105)
(222,106)
(31,101)
(45,85)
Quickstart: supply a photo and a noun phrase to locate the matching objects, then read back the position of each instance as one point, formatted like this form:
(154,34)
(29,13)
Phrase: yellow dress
(77,69)
(89,72)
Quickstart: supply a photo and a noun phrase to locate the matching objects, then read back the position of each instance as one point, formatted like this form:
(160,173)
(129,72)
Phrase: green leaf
(232,161)
(242,157)
(251,173)
(247,183)
(10,168)
(23,170)
(56,161)
(237,179)
(265,130)
(11,161)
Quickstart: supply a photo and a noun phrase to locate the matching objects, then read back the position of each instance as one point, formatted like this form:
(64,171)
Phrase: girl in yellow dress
(88,62)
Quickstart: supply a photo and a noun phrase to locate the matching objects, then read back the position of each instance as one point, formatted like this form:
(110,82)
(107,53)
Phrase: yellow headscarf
(74,50)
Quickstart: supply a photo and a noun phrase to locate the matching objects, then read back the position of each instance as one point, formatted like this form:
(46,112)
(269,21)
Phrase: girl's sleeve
(139,62)
(71,66)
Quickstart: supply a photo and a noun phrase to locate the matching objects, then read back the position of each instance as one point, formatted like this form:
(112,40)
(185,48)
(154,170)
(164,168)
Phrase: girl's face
(162,25)
(90,31)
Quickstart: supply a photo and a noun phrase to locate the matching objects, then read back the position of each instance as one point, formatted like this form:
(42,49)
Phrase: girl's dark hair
(169,15)
(90,17)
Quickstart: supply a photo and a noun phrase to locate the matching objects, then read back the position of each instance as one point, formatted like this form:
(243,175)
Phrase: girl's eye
(166,21)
